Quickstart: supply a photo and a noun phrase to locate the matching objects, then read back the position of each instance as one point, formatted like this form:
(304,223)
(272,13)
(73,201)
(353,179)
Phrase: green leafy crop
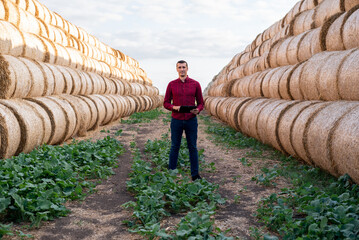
(34,186)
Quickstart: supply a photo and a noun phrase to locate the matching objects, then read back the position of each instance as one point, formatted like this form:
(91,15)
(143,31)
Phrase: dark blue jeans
(190,128)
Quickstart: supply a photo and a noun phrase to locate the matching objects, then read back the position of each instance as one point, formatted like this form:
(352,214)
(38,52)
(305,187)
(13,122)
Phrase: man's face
(182,69)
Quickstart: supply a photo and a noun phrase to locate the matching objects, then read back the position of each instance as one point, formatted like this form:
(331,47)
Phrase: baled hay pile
(304,98)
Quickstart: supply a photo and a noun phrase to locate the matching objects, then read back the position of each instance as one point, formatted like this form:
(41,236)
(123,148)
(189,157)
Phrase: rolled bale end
(350,29)
(284,81)
(348,77)
(70,116)
(57,117)
(37,87)
(285,124)
(292,49)
(101,108)
(330,74)
(20,80)
(10,133)
(319,133)
(330,35)
(344,145)
(32,129)
(266,82)
(309,82)
(7,87)
(299,130)
(273,121)
(262,119)
(90,107)
(46,122)
(274,84)
(294,82)
(248,116)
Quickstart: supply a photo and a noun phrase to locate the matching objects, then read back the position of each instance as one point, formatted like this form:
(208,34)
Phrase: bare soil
(100,215)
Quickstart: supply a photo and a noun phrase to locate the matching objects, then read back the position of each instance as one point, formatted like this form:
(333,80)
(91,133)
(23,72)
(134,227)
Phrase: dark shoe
(194,178)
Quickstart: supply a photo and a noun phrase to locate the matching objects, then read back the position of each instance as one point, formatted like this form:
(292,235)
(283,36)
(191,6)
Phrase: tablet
(186,109)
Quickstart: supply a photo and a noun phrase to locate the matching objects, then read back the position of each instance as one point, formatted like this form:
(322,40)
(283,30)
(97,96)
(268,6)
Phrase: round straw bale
(348,77)
(273,121)
(49,79)
(282,52)
(272,57)
(303,22)
(266,82)
(131,105)
(12,13)
(68,79)
(59,79)
(328,78)
(32,129)
(343,145)
(70,115)
(283,83)
(18,83)
(37,78)
(326,9)
(5,39)
(331,35)
(86,83)
(274,83)
(285,124)
(350,29)
(46,122)
(63,57)
(319,131)
(57,118)
(309,82)
(309,45)
(50,50)
(244,58)
(82,112)
(7,78)
(96,80)
(29,23)
(10,133)
(349,4)
(262,119)
(248,115)
(117,106)
(293,47)
(12,40)
(111,108)
(294,82)
(299,129)
(255,88)
(92,109)
(101,108)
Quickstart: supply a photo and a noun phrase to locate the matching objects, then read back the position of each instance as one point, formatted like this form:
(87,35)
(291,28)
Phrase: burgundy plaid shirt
(183,93)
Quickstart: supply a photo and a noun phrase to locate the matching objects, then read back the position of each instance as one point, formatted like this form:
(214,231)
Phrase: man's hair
(182,61)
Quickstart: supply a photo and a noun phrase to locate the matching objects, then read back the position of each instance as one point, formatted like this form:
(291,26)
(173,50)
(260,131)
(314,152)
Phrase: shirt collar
(186,80)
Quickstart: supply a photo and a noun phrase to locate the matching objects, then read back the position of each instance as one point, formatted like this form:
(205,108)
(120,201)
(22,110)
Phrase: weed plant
(35,186)
(161,192)
(144,117)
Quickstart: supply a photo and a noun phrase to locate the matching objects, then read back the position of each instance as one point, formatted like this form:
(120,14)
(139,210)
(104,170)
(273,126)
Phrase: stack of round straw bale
(45,33)
(296,86)
(57,81)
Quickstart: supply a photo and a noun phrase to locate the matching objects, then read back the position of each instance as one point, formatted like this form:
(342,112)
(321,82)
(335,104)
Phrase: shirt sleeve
(199,98)
(168,97)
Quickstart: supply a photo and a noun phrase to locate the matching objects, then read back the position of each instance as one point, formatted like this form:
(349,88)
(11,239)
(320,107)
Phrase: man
(184,91)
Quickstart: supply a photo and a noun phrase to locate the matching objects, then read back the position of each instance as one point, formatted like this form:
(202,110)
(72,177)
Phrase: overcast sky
(157,33)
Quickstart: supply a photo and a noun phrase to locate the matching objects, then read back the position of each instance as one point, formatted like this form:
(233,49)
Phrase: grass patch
(35,186)
(144,117)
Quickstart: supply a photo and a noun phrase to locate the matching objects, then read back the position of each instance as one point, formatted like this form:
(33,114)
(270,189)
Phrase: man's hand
(195,111)
(176,108)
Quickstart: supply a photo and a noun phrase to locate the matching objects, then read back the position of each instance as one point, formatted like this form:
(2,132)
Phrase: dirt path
(100,215)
